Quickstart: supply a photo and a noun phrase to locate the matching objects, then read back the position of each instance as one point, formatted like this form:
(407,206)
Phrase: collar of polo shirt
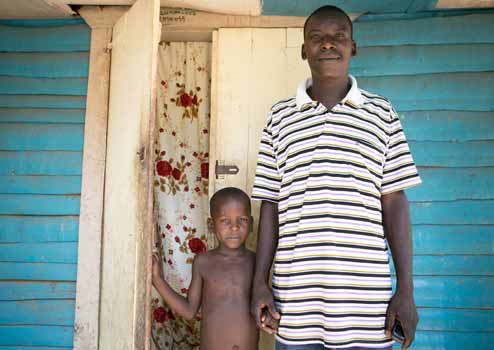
(353,96)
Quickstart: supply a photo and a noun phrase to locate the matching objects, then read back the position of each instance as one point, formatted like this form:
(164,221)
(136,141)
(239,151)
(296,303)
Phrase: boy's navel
(235,347)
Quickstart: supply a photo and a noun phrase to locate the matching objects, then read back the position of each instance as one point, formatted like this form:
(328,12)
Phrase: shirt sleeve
(399,171)
(267,181)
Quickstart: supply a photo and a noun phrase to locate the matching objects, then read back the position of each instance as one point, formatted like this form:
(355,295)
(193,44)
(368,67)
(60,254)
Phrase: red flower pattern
(205,170)
(197,246)
(160,314)
(176,174)
(163,168)
(186,100)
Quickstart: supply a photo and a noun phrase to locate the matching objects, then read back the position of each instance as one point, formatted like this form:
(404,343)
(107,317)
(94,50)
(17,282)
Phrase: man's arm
(185,307)
(396,217)
(267,241)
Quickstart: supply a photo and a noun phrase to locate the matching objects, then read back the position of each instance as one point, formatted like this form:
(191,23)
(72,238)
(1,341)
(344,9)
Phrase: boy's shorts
(281,346)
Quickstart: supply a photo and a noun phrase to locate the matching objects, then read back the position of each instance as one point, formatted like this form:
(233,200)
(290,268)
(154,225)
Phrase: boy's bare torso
(226,321)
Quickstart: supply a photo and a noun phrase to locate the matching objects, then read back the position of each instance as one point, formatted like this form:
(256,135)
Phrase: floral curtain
(181,179)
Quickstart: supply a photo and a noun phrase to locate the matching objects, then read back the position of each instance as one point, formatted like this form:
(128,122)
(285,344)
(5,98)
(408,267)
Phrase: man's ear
(354,48)
(302,53)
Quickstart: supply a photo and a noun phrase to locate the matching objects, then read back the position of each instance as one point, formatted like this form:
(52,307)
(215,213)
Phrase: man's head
(231,219)
(328,42)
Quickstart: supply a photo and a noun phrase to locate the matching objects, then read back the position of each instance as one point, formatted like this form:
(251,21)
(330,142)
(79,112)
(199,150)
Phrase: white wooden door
(252,69)
(128,218)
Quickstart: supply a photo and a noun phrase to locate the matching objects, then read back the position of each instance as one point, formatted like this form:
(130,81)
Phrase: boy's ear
(210,225)
(302,52)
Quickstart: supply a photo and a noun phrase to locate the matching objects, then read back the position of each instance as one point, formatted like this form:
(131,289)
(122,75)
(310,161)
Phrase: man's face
(328,45)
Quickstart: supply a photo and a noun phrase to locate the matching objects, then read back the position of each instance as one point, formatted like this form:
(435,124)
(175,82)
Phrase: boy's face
(231,223)
(328,45)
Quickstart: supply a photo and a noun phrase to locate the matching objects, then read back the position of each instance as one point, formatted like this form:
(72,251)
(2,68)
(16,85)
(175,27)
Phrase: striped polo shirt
(326,170)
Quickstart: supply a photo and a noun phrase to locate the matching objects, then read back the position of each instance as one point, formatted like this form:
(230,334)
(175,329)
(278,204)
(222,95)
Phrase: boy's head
(231,219)
(328,42)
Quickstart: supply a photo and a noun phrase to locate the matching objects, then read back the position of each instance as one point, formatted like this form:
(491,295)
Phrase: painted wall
(43,78)
(439,74)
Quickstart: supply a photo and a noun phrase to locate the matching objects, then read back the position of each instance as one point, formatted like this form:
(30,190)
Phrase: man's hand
(402,307)
(262,304)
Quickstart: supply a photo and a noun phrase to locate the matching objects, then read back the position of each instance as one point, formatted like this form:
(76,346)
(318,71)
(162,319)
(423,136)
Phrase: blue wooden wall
(439,73)
(43,78)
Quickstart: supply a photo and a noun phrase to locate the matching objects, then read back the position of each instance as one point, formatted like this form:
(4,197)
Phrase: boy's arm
(267,242)
(396,217)
(185,307)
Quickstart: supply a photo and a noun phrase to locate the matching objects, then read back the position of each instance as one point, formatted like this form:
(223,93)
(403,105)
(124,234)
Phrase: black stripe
(339,301)
(329,230)
(325,147)
(331,329)
(325,314)
(323,174)
(330,188)
(307,203)
(400,179)
(329,244)
(328,273)
(365,261)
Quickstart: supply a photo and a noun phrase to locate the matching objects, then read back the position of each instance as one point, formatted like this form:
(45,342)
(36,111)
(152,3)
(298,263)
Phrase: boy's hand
(268,322)
(157,268)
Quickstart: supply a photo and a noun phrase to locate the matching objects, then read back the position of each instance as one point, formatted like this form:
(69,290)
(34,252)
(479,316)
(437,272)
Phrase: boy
(332,166)
(221,278)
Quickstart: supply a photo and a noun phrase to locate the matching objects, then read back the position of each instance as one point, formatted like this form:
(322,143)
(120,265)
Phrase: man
(332,167)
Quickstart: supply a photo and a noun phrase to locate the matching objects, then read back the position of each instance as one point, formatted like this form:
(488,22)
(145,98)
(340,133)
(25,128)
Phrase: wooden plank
(42,86)
(41,115)
(446,184)
(45,64)
(446,91)
(40,163)
(36,335)
(31,229)
(448,125)
(22,290)
(454,291)
(35,204)
(453,239)
(129,179)
(42,101)
(38,271)
(92,191)
(38,312)
(453,154)
(455,265)
(50,39)
(41,137)
(40,184)
(52,252)
(453,213)
(467,4)
(439,340)
(462,320)
(466,29)
(410,60)
(185,22)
